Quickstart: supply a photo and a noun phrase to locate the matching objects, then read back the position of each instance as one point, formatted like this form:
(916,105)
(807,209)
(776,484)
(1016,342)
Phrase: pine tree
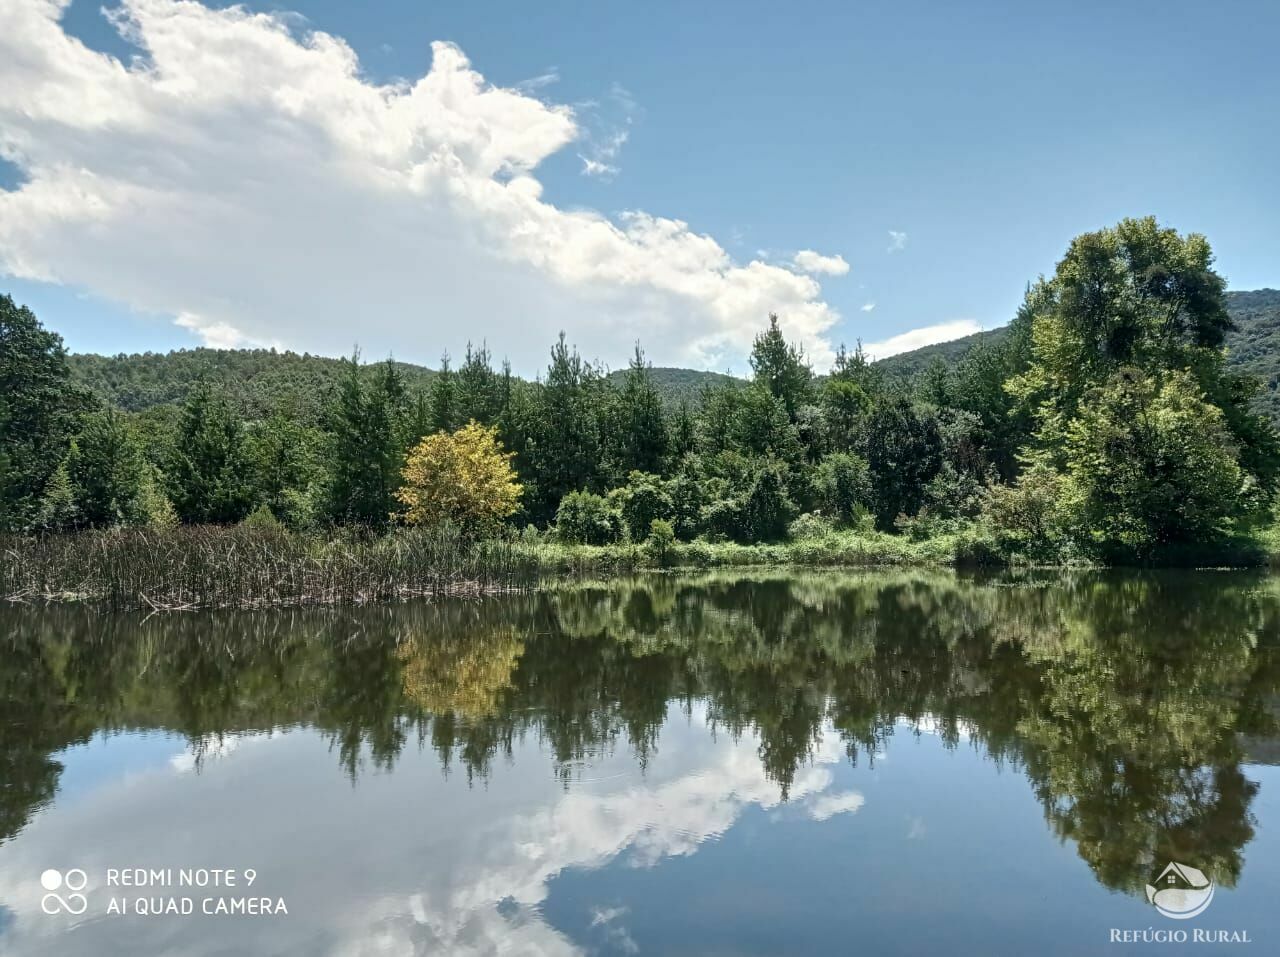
(41,410)
(107,470)
(209,471)
(444,398)
(478,388)
(780,367)
(640,437)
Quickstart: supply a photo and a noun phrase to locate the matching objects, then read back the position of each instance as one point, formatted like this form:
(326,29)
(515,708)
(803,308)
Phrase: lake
(745,762)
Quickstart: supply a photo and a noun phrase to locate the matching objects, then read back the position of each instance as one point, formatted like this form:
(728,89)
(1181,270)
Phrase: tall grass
(245,567)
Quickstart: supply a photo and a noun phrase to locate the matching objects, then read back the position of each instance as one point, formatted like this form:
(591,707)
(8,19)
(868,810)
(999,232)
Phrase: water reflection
(1126,701)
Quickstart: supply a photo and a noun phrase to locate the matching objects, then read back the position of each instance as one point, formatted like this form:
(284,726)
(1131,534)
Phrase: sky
(408,176)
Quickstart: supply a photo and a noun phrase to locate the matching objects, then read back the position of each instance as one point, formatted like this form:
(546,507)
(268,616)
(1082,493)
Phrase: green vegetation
(1105,425)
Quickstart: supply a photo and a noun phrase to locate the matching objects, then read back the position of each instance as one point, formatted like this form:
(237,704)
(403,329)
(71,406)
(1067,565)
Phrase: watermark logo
(1181,891)
(73,881)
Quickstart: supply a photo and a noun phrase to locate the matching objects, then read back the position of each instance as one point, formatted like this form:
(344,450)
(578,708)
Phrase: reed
(246,567)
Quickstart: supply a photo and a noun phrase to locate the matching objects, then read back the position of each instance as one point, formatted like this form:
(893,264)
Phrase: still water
(760,763)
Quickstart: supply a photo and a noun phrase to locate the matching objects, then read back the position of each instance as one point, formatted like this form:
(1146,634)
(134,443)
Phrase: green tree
(640,437)
(444,398)
(367,424)
(903,448)
(565,442)
(643,499)
(842,486)
(1154,462)
(283,455)
(107,471)
(40,413)
(780,367)
(479,388)
(208,474)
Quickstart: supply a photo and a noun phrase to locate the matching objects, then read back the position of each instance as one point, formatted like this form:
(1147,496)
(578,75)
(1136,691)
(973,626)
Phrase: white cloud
(897,241)
(868,307)
(918,338)
(254,183)
(548,78)
(826,806)
(806,260)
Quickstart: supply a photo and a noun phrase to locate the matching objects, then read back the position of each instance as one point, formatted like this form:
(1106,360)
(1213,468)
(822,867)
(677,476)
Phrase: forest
(1104,426)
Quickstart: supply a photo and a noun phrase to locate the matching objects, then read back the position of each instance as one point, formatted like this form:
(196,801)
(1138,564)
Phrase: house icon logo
(1180,891)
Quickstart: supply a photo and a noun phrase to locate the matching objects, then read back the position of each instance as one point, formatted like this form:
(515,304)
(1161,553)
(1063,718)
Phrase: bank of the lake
(247,566)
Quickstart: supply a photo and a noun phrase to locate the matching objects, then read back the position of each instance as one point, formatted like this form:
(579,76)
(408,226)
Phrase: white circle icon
(74,880)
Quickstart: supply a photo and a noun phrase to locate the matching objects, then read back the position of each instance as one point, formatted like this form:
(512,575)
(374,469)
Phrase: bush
(587,519)
(642,500)
(661,541)
(842,485)
(809,526)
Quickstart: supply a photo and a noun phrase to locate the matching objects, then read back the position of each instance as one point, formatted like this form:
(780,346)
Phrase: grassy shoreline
(247,567)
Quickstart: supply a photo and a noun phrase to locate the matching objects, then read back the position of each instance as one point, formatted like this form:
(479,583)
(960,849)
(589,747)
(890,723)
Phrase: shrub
(842,485)
(809,526)
(642,500)
(661,541)
(587,519)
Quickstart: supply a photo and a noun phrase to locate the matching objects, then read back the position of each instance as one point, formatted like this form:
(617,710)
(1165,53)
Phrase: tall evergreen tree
(780,367)
(41,411)
(209,473)
(107,470)
(565,441)
(368,450)
(479,388)
(444,398)
(640,437)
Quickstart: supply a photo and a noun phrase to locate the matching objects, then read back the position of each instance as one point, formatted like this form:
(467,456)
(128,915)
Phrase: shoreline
(239,567)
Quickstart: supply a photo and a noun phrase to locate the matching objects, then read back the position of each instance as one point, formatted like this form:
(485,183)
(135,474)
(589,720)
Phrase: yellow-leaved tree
(465,478)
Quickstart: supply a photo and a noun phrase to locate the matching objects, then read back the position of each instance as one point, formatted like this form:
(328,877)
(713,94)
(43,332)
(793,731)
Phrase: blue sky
(987,134)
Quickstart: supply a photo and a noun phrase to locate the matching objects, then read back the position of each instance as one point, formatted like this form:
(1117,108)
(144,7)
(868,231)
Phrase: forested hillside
(1253,346)
(258,379)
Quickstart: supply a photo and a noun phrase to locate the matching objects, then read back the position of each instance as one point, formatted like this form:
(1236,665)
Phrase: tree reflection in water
(1125,699)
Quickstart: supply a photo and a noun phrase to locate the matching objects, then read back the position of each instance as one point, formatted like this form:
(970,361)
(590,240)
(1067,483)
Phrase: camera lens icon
(74,881)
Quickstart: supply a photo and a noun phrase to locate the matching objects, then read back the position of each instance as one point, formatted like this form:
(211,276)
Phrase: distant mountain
(681,385)
(257,379)
(1252,347)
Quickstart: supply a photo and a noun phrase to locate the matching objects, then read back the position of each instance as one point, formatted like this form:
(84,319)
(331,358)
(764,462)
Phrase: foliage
(464,478)
(903,448)
(39,411)
(660,545)
(643,500)
(780,368)
(107,471)
(208,467)
(842,486)
(1153,462)
(584,518)
(366,422)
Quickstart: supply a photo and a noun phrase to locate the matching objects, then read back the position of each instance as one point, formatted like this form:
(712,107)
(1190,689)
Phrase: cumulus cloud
(868,307)
(249,181)
(918,338)
(897,241)
(806,260)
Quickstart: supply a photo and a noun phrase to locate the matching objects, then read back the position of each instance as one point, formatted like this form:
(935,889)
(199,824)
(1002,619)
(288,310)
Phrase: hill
(259,378)
(1253,346)
(681,385)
